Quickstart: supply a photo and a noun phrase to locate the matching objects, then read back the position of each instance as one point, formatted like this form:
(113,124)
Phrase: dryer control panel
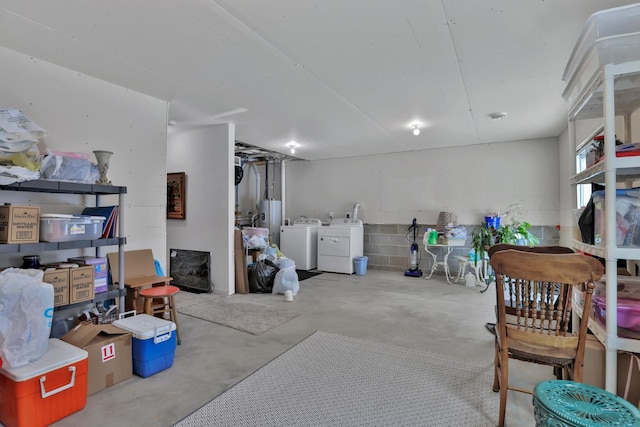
(345,222)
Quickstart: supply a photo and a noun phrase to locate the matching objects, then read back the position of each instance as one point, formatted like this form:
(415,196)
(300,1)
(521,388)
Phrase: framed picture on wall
(176,196)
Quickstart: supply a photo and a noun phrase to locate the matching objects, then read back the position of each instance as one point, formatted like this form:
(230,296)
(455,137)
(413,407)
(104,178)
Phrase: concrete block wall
(387,245)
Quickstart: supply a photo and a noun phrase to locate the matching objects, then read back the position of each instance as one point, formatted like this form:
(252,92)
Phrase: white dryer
(300,242)
(339,243)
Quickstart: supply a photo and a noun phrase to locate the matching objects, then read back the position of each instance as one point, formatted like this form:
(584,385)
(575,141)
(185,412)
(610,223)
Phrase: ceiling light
(416,129)
(497,116)
(292,147)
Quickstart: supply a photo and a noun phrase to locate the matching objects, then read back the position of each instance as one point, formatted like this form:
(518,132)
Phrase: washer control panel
(307,221)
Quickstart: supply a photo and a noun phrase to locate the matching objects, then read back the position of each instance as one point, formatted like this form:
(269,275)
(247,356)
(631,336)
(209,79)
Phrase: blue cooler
(154,343)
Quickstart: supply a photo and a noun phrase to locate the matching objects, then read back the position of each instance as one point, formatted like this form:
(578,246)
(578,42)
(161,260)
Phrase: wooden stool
(168,305)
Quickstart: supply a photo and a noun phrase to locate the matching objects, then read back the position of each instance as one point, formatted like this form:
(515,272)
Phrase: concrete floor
(380,306)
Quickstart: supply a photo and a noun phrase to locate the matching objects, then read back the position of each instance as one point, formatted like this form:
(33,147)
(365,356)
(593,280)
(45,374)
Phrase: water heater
(271,217)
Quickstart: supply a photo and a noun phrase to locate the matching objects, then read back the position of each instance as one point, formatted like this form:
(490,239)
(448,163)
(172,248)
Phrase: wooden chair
(139,273)
(533,294)
(538,249)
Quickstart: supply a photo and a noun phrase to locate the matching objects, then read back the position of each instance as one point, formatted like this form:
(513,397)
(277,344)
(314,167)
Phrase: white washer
(339,243)
(300,242)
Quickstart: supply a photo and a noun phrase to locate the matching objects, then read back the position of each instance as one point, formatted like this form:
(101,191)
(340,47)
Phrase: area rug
(304,274)
(248,317)
(187,298)
(333,380)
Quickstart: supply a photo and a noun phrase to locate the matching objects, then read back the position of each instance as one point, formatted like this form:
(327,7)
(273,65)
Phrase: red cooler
(46,390)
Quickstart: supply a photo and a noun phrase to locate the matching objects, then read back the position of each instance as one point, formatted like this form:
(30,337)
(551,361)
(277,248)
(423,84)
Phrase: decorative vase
(103,165)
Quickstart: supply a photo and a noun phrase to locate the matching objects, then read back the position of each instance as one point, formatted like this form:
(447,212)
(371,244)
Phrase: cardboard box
(594,363)
(109,349)
(19,224)
(100,273)
(81,284)
(628,370)
(59,278)
(242,280)
(45,390)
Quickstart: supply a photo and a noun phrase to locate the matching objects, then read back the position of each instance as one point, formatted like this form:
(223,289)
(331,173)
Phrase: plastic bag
(17,132)
(11,174)
(286,279)
(26,312)
(261,276)
(66,168)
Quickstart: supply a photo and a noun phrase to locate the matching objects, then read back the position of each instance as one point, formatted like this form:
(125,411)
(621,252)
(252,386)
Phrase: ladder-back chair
(534,301)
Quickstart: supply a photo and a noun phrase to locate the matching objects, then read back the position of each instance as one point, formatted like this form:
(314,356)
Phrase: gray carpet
(333,380)
(229,311)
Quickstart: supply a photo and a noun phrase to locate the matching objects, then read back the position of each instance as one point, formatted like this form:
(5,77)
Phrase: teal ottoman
(561,403)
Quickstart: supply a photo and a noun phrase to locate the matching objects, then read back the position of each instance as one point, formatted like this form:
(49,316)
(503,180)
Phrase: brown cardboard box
(594,370)
(242,280)
(594,363)
(81,284)
(629,363)
(110,357)
(139,273)
(19,224)
(576,234)
(59,278)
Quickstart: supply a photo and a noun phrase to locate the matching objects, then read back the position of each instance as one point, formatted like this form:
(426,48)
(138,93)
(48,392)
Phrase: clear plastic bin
(611,36)
(627,218)
(64,228)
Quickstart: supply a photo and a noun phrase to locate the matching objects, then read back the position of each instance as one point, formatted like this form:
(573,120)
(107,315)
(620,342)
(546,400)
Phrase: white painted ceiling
(340,77)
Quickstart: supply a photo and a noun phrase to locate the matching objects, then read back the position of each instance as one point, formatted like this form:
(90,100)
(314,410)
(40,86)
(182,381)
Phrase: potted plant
(524,236)
(512,230)
(483,237)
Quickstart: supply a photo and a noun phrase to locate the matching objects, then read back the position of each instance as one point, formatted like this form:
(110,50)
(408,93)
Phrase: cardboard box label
(100,285)
(108,352)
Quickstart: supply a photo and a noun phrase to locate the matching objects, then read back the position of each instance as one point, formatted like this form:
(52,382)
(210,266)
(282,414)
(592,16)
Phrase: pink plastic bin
(628,312)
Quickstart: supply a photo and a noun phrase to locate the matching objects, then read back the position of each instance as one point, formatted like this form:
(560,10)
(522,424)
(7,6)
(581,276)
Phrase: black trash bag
(586,223)
(261,276)
(586,220)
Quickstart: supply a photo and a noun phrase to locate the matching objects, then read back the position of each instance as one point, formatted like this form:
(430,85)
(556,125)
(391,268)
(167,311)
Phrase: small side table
(444,264)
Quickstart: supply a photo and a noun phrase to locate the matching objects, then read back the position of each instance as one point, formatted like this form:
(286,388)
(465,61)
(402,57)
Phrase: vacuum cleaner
(414,252)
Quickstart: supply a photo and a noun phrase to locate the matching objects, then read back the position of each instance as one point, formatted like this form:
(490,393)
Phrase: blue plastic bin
(360,263)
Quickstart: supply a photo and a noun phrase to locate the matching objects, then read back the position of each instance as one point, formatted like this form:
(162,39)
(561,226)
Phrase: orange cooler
(46,390)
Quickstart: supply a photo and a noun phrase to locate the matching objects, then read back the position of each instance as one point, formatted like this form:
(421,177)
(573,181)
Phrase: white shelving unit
(603,82)
(613,90)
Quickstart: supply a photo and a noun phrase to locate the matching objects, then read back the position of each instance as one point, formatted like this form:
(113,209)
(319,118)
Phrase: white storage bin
(610,36)
(64,228)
